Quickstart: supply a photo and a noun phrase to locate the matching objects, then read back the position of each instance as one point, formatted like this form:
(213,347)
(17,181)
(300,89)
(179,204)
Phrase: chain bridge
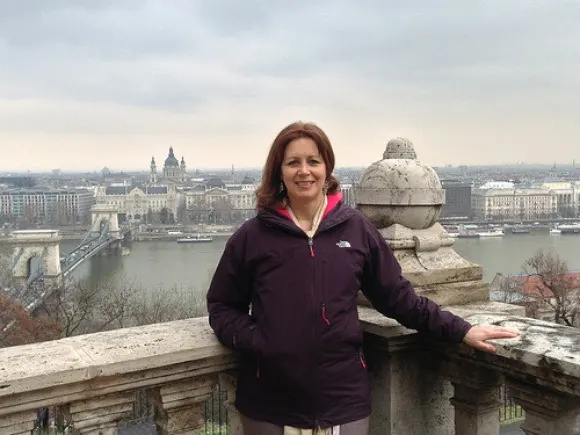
(30,286)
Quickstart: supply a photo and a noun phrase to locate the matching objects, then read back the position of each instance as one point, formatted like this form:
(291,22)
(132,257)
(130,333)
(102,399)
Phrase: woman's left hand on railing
(477,336)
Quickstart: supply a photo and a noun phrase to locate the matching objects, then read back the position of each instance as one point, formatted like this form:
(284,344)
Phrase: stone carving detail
(400,189)
(403,198)
(400,148)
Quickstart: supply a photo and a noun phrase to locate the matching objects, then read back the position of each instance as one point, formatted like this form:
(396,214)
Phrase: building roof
(535,286)
(124,190)
(116,190)
(498,185)
(156,190)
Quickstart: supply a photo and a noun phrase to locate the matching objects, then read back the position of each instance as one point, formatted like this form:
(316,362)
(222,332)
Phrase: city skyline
(84,86)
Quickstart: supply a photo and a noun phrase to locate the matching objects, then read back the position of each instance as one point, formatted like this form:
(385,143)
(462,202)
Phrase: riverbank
(144,236)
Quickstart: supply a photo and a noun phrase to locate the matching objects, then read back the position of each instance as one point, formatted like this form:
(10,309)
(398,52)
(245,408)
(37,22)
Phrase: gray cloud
(225,69)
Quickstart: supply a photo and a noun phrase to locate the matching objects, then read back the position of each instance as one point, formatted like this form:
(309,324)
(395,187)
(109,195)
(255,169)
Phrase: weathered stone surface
(178,406)
(375,323)
(475,399)
(451,294)
(99,415)
(409,394)
(17,423)
(181,361)
(228,382)
(86,357)
(400,190)
(83,371)
(547,413)
(549,352)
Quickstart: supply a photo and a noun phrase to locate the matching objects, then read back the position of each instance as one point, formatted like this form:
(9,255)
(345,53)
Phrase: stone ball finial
(400,189)
(400,148)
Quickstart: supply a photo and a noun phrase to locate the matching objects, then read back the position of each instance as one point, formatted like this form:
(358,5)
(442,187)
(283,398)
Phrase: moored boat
(198,238)
(573,229)
(521,229)
(493,232)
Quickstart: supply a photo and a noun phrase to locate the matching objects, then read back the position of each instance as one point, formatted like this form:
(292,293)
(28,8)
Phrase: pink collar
(332,201)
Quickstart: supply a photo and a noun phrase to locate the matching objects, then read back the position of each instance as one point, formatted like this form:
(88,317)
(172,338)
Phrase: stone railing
(93,379)
(414,381)
(419,387)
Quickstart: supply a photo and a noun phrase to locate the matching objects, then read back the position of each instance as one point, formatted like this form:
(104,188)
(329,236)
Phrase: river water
(188,267)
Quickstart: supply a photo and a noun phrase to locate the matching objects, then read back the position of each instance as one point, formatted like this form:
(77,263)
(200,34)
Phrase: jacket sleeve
(228,298)
(394,296)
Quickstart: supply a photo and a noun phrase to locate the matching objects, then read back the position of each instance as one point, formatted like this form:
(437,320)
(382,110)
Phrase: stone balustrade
(419,387)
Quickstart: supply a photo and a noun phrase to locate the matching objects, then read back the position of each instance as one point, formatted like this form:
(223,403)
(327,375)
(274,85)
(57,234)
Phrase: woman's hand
(476,337)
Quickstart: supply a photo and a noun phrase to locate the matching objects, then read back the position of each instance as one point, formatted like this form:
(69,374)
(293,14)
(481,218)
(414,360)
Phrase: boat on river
(198,238)
(573,229)
(521,229)
(491,232)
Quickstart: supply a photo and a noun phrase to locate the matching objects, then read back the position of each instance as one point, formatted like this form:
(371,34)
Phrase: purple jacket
(301,358)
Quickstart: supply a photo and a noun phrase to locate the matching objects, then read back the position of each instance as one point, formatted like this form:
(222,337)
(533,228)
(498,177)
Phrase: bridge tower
(105,213)
(43,244)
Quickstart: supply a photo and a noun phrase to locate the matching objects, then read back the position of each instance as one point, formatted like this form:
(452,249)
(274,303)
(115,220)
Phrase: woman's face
(303,170)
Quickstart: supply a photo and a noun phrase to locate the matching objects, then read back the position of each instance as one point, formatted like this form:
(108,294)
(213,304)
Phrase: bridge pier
(43,244)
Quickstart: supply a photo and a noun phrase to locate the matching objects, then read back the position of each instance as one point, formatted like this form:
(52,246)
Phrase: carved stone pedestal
(179,406)
(409,393)
(476,399)
(99,416)
(547,412)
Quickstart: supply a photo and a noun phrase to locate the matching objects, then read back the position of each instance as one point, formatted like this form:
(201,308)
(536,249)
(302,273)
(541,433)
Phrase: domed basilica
(173,170)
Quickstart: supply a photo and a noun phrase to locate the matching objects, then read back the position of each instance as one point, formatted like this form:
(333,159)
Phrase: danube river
(188,267)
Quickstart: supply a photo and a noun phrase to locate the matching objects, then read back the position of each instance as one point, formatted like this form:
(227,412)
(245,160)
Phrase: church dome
(171,161)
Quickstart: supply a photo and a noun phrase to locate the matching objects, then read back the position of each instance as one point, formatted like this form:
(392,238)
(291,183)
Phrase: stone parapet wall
(94,377)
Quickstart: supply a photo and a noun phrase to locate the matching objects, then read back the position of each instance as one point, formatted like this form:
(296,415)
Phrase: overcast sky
(86,84)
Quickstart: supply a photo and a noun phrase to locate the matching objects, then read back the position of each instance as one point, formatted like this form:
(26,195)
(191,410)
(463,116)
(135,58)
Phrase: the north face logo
(343,244)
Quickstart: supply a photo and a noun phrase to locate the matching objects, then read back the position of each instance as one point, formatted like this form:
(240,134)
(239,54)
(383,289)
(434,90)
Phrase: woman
(299,265)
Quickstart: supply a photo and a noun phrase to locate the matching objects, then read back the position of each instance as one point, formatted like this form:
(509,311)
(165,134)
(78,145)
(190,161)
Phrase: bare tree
(18,327)
(549,282)
(165,305)
(81,307)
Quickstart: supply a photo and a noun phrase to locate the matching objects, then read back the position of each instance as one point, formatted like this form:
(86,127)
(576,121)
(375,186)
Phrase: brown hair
(268,194)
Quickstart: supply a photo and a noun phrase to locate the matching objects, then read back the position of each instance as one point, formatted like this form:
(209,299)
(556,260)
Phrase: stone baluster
(179,405)
(99,416)
(547,412)
(476,398)
(405,377)
(20,423)
(228,381)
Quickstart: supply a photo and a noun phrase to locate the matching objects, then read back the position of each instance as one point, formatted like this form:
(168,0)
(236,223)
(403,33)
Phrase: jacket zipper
(362,359)
(311,246)
(314,326)
(312,254)
(323,309)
